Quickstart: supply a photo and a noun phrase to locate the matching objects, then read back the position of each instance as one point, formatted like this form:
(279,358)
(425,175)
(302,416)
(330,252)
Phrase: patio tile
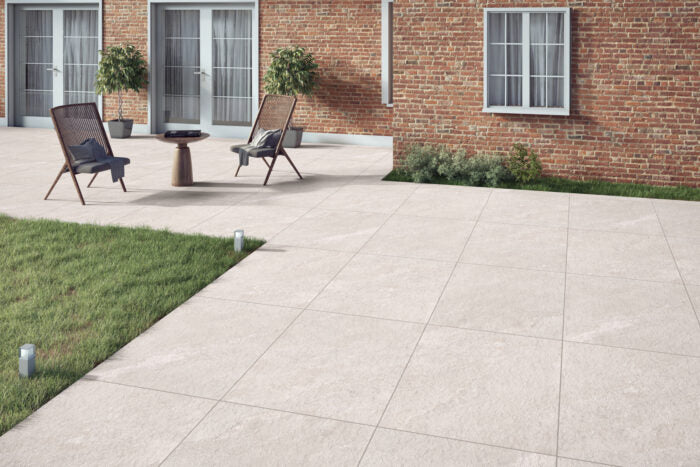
(616,214)
(481,387)
(686,251)
(694,292)
(332,230)
(504,300)
(390,448)
(200,349)
(258,221)
(94,423)
(521,246)
(632,314)
(679,218)
(628,407)
(369,198)
(421,237)
(386,287)
(633,256)
(528,208)
(288,191)
(450,202)
(176,219)
(564,462)
(251,436)
(278,275)
(335,366)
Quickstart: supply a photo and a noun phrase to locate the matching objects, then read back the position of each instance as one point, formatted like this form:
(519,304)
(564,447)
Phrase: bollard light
(238,241)
(27,360)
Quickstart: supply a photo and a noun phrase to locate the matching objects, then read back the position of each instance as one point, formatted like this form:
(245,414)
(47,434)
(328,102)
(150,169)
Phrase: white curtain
(505,59)
(233,67)
(80,57)
(35,36)
(547,59)
(181,62)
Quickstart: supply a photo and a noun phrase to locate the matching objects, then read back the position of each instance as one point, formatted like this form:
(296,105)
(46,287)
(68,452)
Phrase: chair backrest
(74,123)
(275,113)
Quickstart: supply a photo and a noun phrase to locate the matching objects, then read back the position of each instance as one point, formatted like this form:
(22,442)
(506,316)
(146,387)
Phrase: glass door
(55,60)
(205,69)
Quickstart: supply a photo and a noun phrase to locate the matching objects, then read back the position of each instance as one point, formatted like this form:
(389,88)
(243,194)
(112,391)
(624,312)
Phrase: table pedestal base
(182,166)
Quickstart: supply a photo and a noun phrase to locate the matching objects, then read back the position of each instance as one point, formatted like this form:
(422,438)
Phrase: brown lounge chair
(74,124)
(275,114)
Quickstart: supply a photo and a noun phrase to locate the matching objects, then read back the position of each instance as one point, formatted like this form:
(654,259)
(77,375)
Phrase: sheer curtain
(80,57)
(182,85)
(35,36)
(504,59)
(547,60)
(233,67)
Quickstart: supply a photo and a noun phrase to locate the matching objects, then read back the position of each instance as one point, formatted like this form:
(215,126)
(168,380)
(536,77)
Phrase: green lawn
(574,186)
(81,292)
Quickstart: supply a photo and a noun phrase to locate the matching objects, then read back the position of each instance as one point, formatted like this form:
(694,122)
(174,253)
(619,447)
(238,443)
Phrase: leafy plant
(121,68)
(291,72)
(421,163)
(487,170)
(524,164)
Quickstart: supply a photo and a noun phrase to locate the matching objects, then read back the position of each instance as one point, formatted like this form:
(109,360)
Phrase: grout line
(420,337)
(675,261)
(563,327)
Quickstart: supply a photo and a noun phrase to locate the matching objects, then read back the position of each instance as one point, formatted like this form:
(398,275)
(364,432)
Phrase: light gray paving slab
(679,218)
(336,366)
(249,436)
(481,387)
(381,199)
(95,423)
(527,207)
(506,300)
(450,202)
(200,349)
(614,214)
(627,407)
(686,251)
(390,448)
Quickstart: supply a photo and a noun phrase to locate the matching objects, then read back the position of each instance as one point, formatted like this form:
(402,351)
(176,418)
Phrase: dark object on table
(183,134)
(80,126)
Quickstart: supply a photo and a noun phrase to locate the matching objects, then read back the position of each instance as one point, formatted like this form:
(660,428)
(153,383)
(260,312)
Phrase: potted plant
(122,68)
(292,72)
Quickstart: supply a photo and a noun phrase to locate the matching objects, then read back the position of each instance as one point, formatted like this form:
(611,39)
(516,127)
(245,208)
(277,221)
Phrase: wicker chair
(74,124)
(275,113)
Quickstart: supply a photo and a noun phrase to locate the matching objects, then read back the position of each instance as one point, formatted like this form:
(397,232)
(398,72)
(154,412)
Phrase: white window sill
(528,110)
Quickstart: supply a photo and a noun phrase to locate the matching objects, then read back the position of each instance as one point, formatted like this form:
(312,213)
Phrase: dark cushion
(88,151)
(97,166)
(253,151)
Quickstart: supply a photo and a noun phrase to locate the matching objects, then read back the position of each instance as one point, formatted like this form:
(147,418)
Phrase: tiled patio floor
(383,323)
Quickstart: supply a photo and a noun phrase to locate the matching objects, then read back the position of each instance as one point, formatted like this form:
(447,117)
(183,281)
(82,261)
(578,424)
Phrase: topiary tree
(122,68)
(291,72)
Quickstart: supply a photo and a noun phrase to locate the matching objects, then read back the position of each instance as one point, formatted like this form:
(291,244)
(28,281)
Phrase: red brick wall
(345,38)
(635,108)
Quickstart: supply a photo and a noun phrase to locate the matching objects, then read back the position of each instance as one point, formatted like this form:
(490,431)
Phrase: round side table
(182,162)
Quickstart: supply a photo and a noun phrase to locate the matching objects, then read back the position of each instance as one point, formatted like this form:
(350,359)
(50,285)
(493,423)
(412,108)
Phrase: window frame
(387,53)
(526,76)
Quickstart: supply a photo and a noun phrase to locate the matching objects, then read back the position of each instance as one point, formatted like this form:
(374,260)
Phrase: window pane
(515,54)
(555,92)
(515,94)
(497,59)
(555,28)
(496,27)
(497,90)
(514,28)
(538,88)
(538,60)
(538,28)
(555,60)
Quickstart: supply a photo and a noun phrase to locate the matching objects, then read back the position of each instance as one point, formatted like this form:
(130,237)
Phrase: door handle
(54,69)
(200,73)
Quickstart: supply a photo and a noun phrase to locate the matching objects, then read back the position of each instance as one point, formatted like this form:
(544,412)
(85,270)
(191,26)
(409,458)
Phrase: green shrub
(486,170)
(524,164)
(421,162)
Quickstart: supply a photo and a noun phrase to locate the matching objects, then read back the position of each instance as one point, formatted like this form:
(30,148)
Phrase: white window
(526,60)
(388,52)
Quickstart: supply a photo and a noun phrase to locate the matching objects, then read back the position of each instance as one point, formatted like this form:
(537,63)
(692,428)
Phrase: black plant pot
(120,128)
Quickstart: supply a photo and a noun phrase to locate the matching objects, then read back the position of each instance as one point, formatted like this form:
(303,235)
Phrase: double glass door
(55,60)
(204,68)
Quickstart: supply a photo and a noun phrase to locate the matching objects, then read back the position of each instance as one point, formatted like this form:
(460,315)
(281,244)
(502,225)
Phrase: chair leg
(121,180)
(238,170)
(272,166)
(60,173)
(266,163)
(292,163)
(92,180)
(77,188)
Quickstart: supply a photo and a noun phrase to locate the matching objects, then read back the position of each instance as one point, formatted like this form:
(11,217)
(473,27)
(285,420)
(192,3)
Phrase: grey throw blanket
(244,155)
(92,151)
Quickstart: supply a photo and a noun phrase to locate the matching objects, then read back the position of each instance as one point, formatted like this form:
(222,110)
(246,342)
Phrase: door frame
(223,131)
(10,7)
